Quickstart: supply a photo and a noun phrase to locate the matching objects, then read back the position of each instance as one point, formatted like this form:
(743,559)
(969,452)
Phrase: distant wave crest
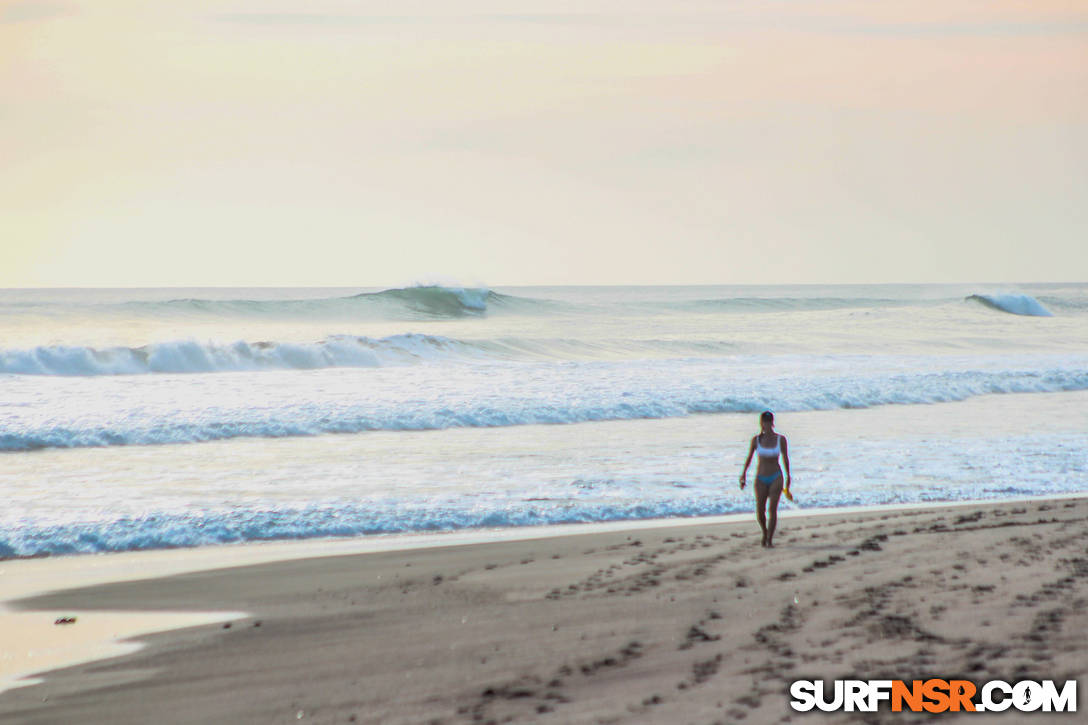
(437,300)
(1016,304)
(400,303)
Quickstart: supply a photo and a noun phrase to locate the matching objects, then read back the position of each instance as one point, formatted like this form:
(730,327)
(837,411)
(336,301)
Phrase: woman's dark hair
(766,416)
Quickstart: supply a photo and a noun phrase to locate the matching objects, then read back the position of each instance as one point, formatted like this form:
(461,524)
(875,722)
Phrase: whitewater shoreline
(658,620)
(218,555)
(344,493)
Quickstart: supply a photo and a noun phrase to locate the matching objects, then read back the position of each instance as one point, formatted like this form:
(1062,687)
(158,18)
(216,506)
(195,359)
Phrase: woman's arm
(751,450)
(786,460)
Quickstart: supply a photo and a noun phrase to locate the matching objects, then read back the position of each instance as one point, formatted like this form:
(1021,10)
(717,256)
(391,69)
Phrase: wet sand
(675,624)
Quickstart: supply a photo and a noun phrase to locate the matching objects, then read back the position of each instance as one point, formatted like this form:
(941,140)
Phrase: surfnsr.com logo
(933,695)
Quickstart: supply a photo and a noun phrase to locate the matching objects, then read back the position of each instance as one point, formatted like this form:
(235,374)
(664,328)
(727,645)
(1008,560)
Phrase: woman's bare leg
(761,512)
(774,491)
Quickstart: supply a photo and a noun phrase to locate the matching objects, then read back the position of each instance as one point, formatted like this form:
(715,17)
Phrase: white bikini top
(770,452)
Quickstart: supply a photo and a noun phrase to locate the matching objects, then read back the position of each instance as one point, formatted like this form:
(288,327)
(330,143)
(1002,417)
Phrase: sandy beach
(692,623)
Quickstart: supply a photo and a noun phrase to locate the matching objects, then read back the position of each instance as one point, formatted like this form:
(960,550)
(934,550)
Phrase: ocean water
(133,419)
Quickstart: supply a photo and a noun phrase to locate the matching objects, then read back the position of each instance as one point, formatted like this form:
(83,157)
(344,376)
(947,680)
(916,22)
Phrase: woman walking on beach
(769,445)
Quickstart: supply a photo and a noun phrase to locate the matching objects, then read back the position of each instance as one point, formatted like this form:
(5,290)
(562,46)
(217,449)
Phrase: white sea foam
(167,409)
(660,481)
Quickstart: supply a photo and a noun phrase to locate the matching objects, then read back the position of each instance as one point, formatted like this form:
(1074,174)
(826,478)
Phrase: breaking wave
(1016,304)
(190,356)
(404,303)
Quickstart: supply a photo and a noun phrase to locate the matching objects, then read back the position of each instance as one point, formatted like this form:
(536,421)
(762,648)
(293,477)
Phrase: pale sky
(505,142)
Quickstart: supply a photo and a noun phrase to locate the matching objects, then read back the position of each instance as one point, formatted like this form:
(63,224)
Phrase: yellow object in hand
(789,496)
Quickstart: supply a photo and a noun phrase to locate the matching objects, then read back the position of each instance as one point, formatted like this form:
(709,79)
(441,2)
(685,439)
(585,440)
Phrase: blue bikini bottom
(768,480)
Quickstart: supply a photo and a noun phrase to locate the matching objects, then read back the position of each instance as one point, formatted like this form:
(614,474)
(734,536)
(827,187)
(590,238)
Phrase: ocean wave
(438,301)
(335,351)
(424,302)
(1019,304)
(1016,304)
(190,356)
(488,396)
